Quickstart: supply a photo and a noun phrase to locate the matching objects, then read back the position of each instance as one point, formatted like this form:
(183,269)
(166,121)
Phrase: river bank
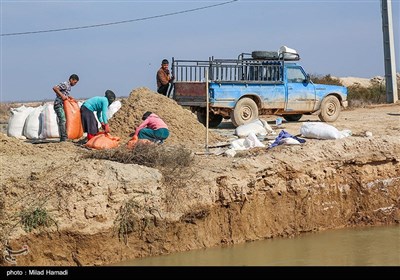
(101,212)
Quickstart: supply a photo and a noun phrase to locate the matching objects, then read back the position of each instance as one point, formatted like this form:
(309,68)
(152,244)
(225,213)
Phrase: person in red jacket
(152,128)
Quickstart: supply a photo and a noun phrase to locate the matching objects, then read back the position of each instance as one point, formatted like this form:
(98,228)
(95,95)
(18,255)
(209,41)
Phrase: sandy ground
(380,120)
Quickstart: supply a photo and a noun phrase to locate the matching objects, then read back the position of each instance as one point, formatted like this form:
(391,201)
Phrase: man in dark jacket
(164,78)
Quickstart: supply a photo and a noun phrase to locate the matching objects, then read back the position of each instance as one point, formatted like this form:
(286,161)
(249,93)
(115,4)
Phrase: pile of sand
(364,82)
(352,81)
(182,123)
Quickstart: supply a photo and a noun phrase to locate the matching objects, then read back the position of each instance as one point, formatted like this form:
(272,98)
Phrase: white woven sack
(16,121)
(113,108)
(256,126)
(33,125)
(319,130)
(48,119)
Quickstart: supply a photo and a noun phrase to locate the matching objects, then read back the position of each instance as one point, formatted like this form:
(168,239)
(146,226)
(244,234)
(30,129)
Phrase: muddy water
(371,246)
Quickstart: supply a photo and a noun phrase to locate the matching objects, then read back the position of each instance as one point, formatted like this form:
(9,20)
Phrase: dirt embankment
(100,212)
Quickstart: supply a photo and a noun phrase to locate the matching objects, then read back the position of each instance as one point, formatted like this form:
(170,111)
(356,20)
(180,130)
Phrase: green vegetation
(326,80)
(33,218)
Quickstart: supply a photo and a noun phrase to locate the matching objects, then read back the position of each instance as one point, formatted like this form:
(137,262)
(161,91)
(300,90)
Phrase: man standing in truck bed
(164,78)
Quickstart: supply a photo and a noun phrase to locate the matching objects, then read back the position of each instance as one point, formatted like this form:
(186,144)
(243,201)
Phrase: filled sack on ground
(258,127)
(135,140)
(103,141)
(48,120)
(73,116)
(17,121)
(33,126)
(320,130)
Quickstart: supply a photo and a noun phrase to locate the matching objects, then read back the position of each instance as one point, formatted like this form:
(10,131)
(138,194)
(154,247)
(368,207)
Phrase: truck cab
(260,83)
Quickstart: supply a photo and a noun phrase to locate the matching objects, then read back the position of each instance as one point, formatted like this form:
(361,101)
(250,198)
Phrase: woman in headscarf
(152,128)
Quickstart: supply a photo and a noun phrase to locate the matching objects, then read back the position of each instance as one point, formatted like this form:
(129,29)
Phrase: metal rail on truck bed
(189,84)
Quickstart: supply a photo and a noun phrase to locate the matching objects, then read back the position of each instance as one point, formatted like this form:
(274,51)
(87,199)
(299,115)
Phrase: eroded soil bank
(100,212)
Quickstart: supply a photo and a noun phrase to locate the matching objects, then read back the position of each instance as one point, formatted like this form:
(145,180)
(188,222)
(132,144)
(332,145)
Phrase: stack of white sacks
(41,122)
(249,134)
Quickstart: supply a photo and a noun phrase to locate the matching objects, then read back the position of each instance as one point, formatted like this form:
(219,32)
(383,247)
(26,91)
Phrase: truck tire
(264,55)
(292,118)
(245,111)
(213,119)
(330,109)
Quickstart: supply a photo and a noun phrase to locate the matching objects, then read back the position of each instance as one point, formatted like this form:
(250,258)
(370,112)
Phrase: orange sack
(103,141)
(73,116)
(132,143)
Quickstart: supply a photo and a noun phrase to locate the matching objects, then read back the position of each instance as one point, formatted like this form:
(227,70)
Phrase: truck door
(300,93)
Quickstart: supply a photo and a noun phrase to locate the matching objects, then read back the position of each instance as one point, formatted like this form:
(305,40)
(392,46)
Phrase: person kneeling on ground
(152,128)
(98,104)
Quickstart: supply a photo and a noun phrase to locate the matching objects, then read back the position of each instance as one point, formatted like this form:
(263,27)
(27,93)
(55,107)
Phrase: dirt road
(378,119)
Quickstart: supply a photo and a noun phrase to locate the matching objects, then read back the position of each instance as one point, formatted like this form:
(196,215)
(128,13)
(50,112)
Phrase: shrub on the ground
(35,218)
(326,80)
(174,162)
(359,96)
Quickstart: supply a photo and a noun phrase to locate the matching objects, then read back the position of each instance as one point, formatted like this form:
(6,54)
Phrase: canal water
(366,246)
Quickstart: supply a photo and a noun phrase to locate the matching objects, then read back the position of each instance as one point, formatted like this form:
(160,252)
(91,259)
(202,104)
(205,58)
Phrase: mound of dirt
(14,146)
(182,123)
(365,82)
(352,81)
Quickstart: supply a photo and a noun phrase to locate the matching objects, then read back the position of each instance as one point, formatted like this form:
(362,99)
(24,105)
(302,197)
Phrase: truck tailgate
(190,93)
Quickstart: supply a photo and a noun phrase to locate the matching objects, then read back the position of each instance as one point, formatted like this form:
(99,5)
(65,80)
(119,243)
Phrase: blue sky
(341,38)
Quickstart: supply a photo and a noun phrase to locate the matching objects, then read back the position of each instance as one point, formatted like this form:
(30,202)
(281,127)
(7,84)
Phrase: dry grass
(174,162)
(133,217)
(359,96)
(127,220)
(4,112)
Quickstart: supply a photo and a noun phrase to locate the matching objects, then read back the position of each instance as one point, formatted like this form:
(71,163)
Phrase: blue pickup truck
(257,83)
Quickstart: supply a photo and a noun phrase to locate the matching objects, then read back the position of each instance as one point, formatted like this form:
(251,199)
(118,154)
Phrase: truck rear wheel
(245,111)
(292,118)
(213,119)
(330,109)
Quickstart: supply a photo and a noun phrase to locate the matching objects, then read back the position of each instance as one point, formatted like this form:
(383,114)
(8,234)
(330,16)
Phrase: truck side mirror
(308,79)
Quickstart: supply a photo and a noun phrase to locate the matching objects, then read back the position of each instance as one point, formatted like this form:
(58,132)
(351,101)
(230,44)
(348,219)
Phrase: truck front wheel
(213,119)
(330,109)
(245,111)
